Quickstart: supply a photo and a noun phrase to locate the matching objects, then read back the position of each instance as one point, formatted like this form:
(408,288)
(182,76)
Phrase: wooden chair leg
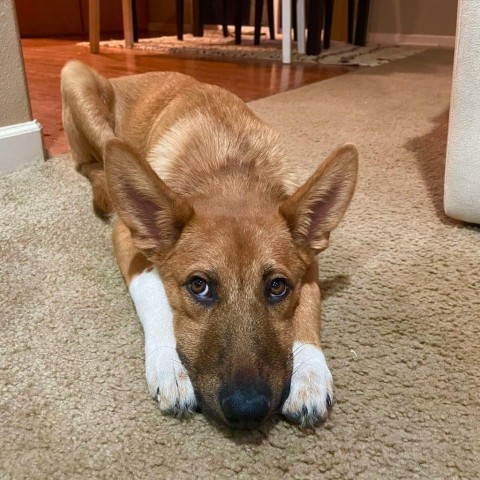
(327,29)
(127,22)
(271,18)
(94,25)
(179,10)
(258,21)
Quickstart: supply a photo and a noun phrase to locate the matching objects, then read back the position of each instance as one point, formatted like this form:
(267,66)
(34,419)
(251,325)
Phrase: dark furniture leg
(316,11)
(197,12)
(362,22)
(294,20)
(351,16)
(327,29)
(258,21)
(179,13)
(271,19)
(135,20)
(224,16)
(238,21)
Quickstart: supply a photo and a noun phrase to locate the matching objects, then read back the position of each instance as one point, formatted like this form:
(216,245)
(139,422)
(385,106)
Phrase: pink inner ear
(146,211)
(321,209)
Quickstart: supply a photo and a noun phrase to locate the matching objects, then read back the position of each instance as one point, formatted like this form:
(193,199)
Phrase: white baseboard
(21,145)
(407,39)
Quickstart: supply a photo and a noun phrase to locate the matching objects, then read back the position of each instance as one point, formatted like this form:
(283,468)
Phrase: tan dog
(217,249)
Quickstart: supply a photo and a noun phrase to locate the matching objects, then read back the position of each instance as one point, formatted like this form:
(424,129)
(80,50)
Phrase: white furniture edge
(301,26)
(21,145)
(462,169)
(287,29)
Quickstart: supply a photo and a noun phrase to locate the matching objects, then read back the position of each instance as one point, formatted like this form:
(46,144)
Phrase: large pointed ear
(154,213)
(315,209)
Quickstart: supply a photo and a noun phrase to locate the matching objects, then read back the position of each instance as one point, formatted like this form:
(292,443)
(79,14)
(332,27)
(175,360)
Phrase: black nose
(245,406)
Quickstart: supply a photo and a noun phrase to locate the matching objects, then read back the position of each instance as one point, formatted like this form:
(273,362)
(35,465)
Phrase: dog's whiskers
(297,350)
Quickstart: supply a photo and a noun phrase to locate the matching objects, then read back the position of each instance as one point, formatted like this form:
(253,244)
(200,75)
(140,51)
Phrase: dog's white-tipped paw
(311,388)
(169,383)
(167,378)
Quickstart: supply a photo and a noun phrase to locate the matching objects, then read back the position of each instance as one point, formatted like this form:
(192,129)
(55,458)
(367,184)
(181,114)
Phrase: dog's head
(233,274)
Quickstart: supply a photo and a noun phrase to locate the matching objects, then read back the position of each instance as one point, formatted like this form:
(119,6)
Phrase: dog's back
(192,134)
(207,138)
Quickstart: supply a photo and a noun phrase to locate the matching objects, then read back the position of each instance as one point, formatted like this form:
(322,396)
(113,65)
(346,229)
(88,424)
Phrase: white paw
(167,378)
(168,382)
(311,389)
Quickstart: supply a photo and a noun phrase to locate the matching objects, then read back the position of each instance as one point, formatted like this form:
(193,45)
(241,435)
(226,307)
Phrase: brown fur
(200,188)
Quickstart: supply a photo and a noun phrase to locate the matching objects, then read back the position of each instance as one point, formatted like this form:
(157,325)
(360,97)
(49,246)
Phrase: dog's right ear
(154,213)
(315,209)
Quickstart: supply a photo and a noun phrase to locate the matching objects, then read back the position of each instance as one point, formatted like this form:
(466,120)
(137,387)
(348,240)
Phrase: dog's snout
(245,406)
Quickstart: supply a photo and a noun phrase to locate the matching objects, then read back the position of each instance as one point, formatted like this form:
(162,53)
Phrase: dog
(217,246)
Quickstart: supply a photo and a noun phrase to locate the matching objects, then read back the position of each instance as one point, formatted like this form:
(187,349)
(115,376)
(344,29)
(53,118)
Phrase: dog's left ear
(153,212)
(315,209)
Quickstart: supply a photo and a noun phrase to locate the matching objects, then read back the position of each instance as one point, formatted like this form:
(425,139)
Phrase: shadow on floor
(430,153)
(332,285)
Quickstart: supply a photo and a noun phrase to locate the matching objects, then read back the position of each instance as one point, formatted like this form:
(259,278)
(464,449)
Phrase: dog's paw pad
(311,389)
(169,384)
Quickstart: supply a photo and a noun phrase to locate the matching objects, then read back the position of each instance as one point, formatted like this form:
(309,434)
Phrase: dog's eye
(199,286)
(200,290)
(277,290)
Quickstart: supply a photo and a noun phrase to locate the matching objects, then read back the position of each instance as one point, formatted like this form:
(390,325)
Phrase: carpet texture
(401,324)
(214,45)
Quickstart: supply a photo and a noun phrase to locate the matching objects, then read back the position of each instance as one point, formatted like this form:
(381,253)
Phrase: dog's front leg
(311,388)
(167,379)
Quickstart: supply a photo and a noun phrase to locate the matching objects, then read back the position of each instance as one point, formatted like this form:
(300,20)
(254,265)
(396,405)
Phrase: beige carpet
(401,314)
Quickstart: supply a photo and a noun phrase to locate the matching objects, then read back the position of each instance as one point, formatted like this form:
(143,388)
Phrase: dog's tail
(87,112)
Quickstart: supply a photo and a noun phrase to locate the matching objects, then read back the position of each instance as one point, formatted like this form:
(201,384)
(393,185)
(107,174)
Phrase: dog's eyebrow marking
(211,273)
(273,268)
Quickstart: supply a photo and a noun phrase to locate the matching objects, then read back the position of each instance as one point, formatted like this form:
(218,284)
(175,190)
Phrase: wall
(20,135)
(162,15)
(14,99)
(414,19)
(35,18)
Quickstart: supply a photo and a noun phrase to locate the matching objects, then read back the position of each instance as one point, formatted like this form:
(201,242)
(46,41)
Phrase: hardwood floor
(250,80)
